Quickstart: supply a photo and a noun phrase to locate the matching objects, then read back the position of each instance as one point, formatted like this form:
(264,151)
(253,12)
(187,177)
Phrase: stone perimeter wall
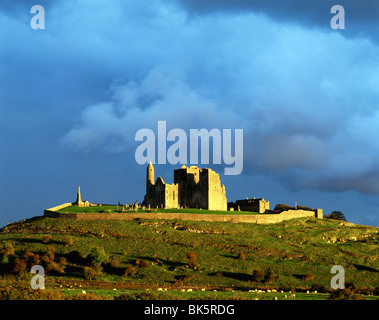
(253,218)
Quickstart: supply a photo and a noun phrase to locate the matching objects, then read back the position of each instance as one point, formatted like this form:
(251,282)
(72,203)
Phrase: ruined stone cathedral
(192,188)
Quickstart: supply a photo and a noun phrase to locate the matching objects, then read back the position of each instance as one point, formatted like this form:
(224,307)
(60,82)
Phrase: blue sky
(72,97)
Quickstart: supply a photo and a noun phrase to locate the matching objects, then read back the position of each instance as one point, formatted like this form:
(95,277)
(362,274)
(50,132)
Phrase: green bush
(4,259)
(97,255)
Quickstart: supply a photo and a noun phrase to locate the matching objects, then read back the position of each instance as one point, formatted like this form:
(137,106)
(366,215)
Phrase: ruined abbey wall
(216,193)
(171,196)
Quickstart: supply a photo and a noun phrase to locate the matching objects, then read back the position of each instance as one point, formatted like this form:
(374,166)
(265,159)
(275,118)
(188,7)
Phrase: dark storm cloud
(362,17)
(289,10)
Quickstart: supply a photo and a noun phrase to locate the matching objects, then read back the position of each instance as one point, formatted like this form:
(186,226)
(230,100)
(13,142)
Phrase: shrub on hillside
(191,259)
(179,280)
(47,238)
(19,266)
(50,252)
(349,293)
(4,260)
(271,276)
(98,268)
(97,255)
(241,256)
(112,263)
(68,241)
(7,254)
(345,294)
(130,270)
(258,275)
(21,290)
(336,215)
(27,254)
(50,265)
(31,259)
(143,263)
(112,266)
(89,273)
(8,249)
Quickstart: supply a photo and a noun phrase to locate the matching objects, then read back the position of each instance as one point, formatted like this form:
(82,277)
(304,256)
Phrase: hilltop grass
(116,209)
(299,252)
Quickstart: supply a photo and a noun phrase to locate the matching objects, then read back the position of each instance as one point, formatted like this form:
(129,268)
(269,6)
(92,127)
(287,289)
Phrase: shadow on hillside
(26,240)
(365,268)
(233,275)
(52,242)
(75,257)
(74,271)
(300,276)
(229,255)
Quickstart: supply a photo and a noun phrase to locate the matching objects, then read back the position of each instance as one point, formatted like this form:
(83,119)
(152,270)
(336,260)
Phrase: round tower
(149,177)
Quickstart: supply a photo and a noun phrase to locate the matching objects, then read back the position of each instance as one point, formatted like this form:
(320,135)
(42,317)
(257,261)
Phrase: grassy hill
(149,259)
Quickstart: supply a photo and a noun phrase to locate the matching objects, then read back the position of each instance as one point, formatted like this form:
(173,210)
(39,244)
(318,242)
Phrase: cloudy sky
(72,97)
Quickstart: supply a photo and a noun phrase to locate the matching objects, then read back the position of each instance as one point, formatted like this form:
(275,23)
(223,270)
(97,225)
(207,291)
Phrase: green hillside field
(176,259)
